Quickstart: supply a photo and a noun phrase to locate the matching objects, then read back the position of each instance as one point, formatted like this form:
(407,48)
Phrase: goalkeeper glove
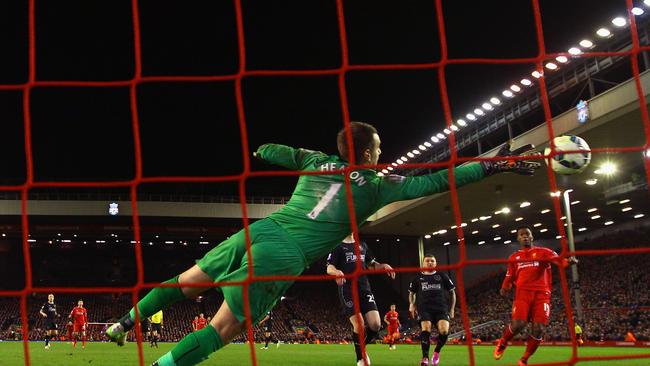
(522,167)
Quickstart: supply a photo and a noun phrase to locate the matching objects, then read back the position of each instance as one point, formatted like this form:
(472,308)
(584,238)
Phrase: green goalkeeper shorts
(273,253)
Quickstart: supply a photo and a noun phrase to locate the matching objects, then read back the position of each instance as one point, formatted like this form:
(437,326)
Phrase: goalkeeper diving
(310,225)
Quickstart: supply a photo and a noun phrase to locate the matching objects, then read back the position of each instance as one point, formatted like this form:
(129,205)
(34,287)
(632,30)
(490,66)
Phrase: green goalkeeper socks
(157,299)
(193,349)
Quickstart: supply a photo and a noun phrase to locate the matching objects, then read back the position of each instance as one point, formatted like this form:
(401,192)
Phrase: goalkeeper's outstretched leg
(157,299)
(197,346)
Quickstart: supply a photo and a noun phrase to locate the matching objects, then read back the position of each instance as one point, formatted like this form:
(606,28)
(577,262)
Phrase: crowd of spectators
(614,298)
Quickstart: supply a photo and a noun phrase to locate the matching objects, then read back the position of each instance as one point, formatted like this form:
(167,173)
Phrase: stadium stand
(614,297)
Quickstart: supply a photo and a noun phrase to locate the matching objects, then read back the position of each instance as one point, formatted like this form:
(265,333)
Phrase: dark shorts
(145,326)
(156,327)
(51,325)
(366,300)
(434,316)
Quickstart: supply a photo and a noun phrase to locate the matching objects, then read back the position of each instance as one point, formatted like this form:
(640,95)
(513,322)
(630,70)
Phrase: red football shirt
(393,319)
(79,315)
(531,274)
(201,323)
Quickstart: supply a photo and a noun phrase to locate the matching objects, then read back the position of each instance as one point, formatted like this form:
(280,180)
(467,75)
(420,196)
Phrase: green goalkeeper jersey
(317,215)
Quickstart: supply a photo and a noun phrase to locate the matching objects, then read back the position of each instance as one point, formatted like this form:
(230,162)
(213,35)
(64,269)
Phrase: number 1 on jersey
(331,192)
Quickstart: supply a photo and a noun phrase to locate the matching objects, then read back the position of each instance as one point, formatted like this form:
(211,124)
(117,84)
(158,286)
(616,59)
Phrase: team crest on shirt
(534,255)
(436,277)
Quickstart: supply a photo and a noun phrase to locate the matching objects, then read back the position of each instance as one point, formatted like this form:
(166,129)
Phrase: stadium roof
(616,122)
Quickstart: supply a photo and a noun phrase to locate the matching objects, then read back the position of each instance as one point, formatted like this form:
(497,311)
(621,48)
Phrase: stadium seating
(614,296)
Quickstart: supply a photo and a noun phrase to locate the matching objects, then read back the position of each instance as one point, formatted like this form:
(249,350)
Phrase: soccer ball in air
(569,163)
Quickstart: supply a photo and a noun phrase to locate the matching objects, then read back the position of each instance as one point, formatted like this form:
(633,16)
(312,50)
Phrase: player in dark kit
(342,260)
(309,226)
(145,328)
(267,324)
(48,311)
(433,299)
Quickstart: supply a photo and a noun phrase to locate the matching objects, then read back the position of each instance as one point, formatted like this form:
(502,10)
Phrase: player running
(267,323)
(343,260)
(79,318)
(532,302)
(392,321)
(432,299)
(156,328)
(48,311)
(311,224)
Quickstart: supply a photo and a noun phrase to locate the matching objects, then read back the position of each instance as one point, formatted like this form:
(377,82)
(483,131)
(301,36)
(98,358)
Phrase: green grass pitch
(106,354)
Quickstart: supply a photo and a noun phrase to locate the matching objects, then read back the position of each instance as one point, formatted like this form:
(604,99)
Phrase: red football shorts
(392,331)
(78,327)
(532,306)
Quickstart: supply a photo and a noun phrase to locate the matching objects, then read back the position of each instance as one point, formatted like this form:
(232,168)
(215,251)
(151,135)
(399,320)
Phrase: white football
(569,163)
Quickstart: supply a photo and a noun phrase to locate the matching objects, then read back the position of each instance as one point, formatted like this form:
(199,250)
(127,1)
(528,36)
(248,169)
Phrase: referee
(432,298)
(156,328)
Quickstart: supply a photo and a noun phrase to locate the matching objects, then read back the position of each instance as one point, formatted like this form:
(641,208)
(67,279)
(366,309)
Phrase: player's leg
(533,341)
(272,254)
(541,312)
(520,312)
(47,338)
(215,265)
(197,346)
(425,337)
(159,298)
(373,324)
(83,339)
(395,337)
(443,333)
(267,338)
(357,324)
(75,337)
